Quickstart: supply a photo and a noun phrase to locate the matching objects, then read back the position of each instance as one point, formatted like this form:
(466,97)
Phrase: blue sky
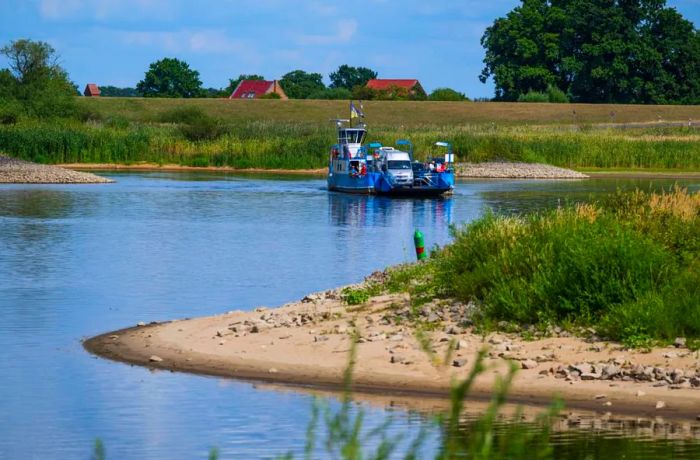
(112,42)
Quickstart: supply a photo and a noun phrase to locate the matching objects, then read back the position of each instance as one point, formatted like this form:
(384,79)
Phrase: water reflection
(80,260)
(363,211)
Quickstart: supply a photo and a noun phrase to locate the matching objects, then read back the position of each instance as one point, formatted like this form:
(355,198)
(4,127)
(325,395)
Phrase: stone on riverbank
(507,170)
(14,171)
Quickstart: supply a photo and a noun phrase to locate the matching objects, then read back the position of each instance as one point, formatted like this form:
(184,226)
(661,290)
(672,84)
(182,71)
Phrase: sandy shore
(306,343)
(14,171)
(494,170)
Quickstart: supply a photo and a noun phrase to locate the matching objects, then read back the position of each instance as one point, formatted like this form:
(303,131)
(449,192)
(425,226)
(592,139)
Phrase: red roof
(251,89)
(91,90)
(386,83)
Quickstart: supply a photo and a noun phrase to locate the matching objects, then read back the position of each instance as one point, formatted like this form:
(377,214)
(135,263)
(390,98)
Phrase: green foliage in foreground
(629,266)
(190,137)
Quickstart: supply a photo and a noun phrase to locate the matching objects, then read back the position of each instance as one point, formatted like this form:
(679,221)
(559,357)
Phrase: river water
(78,260)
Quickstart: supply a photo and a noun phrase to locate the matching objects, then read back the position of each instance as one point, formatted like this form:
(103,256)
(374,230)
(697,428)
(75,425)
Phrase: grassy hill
(396,113)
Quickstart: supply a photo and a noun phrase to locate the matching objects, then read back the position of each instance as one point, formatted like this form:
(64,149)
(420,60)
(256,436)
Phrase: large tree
(300,85)
(35,81)
(170,77)
(625,51)
(349,77)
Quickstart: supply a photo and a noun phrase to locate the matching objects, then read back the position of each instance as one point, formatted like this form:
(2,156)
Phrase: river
(78,260)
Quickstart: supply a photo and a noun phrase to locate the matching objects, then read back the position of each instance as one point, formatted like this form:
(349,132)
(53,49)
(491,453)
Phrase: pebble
(459,362)
(528,364)
(155,359)
(140,324)
(396,338)
(320,338)
(272,370)
(640,393)
(679,342)
(600,396)
(17,171)
(660,404)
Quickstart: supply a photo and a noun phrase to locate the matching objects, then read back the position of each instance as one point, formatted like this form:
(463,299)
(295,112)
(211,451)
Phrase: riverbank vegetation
(189,136)
(627,266)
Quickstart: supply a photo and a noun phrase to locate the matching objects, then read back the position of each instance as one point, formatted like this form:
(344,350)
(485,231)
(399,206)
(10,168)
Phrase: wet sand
(307,343)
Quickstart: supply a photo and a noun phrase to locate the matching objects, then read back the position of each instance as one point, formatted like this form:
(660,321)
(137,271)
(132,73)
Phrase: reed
(270,144)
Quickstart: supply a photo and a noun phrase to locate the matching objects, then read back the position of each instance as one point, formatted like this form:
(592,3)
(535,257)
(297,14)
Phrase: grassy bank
(196,139)
(628,266)
(393,113)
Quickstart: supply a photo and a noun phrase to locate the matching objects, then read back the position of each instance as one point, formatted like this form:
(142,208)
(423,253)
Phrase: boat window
(399,164)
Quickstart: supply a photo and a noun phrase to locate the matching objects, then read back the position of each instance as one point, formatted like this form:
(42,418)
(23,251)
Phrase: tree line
(172,77)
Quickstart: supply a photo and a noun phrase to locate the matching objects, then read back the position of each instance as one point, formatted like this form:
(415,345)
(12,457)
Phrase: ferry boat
(355,167)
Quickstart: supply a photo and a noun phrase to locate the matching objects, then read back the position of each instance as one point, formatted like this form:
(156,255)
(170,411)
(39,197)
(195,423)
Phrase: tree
(300,85)
(331,93)
(35,80)
(113,91)
(170,77)
(446,94)
(234,82)
(632,51)
(349,77)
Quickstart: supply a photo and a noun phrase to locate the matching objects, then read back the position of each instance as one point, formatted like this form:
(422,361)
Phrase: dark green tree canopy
(349,77)
(300,85)
(114,91)
(35,82)
(234,82)
(623,51)
(170,77)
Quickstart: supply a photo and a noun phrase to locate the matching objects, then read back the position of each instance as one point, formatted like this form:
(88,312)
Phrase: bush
(195,125)
(10,112)
(556,95)
(630,266)
(533,96)
(331,93)
(447,94)
(271,96)
(553,94)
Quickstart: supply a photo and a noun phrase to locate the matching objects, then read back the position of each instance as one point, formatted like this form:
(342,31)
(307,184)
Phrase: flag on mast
(355,112)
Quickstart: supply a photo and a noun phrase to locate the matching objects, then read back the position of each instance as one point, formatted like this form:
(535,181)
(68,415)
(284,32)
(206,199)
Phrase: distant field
(402,113)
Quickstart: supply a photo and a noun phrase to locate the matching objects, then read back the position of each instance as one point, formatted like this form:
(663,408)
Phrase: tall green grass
(629,266)
(193,139)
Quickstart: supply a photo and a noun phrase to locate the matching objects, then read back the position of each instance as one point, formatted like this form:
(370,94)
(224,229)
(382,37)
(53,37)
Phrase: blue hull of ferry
(376,183)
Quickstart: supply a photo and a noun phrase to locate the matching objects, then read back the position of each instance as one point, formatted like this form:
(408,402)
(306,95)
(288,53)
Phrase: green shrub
(534,96)
(331,94)
(556,95)
(10,112)
(271,96)
(629,265)
(447,94)
(195,125)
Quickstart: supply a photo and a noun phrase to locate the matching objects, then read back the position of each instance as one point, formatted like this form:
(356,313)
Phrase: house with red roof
(91,90)
(398,87)
(255,89)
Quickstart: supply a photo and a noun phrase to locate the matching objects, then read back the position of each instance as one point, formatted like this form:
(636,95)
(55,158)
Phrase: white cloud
(102,9)
(206,41)
(345,31)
